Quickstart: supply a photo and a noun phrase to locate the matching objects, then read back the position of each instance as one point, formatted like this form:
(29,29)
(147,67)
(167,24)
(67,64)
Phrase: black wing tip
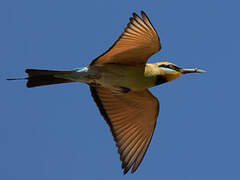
(130,19)
(135,15)
(126,169)
(143,13)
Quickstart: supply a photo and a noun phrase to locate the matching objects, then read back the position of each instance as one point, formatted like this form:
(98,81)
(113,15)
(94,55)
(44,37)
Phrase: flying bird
(119,80)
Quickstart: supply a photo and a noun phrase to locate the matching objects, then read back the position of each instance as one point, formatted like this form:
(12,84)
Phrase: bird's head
(166,71)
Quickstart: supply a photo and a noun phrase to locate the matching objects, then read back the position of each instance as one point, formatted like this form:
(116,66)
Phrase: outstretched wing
(137,43)
(131,118)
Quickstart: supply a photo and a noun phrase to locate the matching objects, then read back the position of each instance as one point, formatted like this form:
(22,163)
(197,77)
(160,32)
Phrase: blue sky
(56,132)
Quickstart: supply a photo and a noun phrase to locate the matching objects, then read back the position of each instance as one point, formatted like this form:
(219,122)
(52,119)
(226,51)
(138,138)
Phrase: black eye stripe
(163,65)
(170,66)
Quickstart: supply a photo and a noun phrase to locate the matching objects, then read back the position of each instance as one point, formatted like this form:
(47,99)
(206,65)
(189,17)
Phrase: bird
(119,82)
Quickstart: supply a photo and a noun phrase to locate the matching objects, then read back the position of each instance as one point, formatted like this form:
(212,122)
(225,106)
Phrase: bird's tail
(44,77)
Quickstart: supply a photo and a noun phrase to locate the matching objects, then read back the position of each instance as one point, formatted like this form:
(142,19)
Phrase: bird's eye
(174,67)
(171,66)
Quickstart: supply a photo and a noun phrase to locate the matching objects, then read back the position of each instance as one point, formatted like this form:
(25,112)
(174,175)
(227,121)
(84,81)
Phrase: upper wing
(137,43)
(131,118)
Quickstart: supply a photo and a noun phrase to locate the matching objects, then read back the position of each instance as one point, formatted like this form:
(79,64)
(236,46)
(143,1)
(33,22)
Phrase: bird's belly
(124,77)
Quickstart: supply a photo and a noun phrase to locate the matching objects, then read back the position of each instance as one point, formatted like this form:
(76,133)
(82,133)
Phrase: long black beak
(194,70)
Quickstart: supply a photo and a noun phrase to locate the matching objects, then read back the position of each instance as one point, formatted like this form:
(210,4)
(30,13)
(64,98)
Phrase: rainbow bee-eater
(119,80)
